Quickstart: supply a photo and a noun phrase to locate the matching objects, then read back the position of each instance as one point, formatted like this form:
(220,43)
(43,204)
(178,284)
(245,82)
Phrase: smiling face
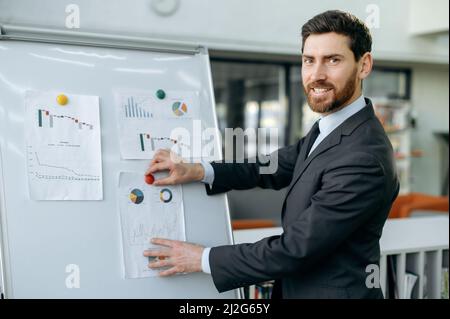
(331,75)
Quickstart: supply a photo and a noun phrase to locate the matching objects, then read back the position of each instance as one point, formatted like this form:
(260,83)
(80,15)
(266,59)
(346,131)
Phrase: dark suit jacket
(337,202)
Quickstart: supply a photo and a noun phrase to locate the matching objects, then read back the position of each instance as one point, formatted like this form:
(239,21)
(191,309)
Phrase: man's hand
(180,256)
(179,172)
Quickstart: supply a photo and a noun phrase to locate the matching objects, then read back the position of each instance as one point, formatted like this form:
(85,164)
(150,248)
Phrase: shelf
(419,246)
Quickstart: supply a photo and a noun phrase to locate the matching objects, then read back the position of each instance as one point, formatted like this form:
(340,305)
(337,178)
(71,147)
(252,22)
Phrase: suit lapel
(346,128)
(330,141)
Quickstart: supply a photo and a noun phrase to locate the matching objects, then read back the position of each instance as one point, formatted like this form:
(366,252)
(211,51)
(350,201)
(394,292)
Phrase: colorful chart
(137,196)
(165,195)
(45,116)
(151,143)
(179,108)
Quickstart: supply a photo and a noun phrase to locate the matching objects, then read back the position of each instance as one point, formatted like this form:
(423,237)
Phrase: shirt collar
(328,123)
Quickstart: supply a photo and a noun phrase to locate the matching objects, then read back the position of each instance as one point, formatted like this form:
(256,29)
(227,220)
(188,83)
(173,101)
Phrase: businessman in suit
(340,181)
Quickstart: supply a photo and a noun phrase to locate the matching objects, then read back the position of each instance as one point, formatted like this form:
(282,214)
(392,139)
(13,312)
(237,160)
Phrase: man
(340,177)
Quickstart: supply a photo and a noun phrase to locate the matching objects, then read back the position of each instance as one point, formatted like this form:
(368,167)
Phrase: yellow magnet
(62,99)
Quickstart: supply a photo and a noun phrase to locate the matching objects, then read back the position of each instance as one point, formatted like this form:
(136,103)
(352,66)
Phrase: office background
(255,59)
(255,62)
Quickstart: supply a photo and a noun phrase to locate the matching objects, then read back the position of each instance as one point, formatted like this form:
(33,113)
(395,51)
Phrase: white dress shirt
(327,124)
(330,122)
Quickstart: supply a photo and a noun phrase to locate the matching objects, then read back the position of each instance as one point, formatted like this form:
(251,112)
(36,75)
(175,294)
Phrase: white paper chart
(63,147)
(146,212)
(147,123)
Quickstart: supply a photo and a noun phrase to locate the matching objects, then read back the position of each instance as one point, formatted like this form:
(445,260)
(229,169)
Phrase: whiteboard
(41,238)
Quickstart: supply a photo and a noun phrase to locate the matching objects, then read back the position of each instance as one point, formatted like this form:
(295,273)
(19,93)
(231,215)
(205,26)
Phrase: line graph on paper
(63,147)
(146,228)
(74,171)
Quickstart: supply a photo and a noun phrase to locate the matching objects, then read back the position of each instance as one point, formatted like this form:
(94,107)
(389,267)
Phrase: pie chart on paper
(136,196)
(165,195)
(179,108)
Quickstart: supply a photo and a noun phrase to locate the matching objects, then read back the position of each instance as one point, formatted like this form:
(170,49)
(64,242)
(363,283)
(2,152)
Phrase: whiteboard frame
(57,36)
(4,284)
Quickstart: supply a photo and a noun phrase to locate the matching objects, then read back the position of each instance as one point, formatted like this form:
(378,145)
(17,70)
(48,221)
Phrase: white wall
(430,97)
(250,25)
(425,19)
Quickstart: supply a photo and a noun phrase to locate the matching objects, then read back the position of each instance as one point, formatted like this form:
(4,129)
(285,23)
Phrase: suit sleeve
(351,192)
(228,176)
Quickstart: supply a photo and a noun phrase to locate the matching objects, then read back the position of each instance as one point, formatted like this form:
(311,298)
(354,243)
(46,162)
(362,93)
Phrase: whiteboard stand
(88,232)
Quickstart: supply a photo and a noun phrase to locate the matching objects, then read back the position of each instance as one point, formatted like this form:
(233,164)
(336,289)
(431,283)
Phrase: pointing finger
(170,180)
(158,167)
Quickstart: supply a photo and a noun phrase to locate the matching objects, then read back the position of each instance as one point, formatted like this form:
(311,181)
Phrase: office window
(250,95)
(297,101)
(388,83)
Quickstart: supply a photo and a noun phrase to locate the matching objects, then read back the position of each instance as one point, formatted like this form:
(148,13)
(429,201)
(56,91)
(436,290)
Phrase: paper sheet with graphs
(147,123)
(63,147)
(146,212)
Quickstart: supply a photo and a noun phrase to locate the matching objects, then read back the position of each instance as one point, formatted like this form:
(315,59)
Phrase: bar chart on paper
(137,107)
(147,123)
(142,105)
(63,148)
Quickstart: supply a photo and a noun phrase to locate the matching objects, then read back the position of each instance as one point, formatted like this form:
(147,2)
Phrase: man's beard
(338,100)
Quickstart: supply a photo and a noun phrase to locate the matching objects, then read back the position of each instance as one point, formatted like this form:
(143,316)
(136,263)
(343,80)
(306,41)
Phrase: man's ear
(366,64)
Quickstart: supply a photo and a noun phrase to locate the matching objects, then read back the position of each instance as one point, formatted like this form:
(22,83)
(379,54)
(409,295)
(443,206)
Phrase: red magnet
(149,179)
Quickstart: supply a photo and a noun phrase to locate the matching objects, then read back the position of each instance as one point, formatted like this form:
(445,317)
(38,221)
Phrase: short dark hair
(343,23)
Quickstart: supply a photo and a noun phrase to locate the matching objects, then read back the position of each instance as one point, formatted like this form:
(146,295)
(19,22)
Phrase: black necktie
(315,131)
